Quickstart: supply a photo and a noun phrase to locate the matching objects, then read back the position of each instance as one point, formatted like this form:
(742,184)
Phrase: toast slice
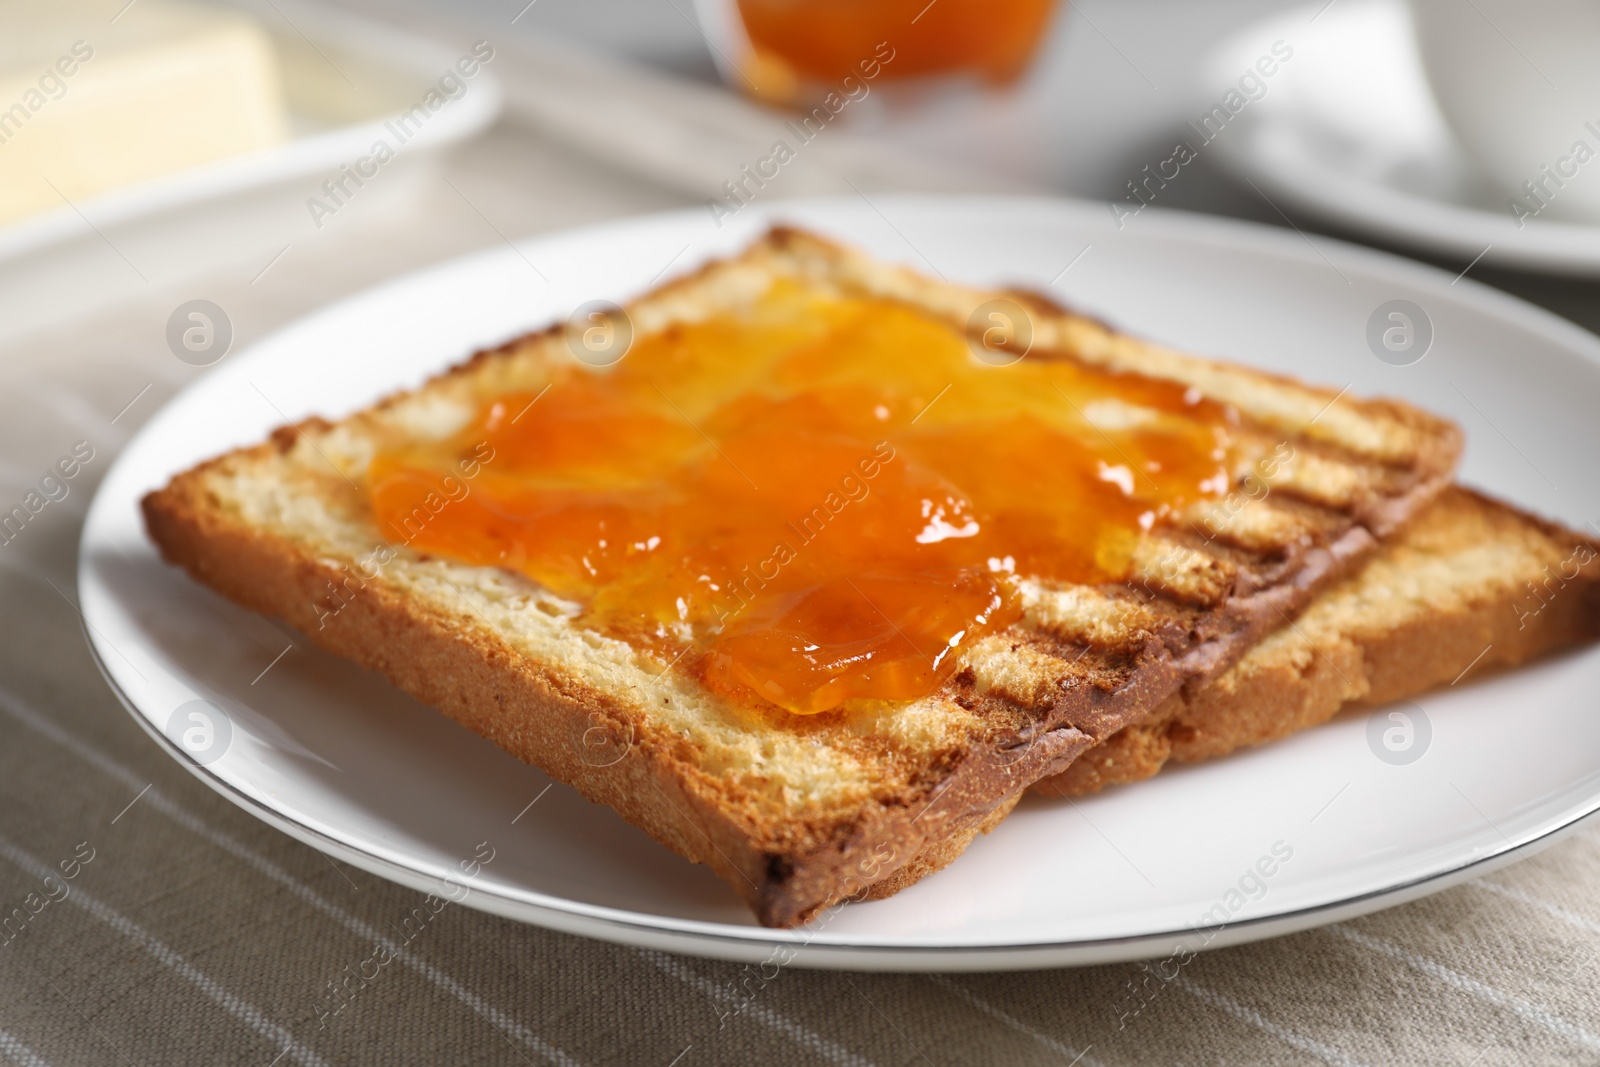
(1469,585)
(798,812)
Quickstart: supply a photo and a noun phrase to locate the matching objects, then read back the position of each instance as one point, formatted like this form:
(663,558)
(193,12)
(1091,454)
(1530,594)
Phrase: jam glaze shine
(815,502)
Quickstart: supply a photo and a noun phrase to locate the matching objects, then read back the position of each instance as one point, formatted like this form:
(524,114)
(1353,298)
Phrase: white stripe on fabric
(1325,1053)
(1070,1054)
(236,1006)
(158,800)
(14,1050)
(1569,917)
(766,1016)
(75,412)
(1532,1012)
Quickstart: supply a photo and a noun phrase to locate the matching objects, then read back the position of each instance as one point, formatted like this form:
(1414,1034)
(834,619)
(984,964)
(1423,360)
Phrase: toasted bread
(1469,585)
(799,812)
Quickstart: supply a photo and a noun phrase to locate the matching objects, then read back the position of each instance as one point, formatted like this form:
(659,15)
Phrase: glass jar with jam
(794,52)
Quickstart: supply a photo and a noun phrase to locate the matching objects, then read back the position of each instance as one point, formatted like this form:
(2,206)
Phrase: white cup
(1519,83)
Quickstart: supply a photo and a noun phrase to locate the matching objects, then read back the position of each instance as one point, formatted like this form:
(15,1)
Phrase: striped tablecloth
(191,933)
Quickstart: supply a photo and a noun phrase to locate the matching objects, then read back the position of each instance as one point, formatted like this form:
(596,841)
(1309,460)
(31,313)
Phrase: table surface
(196,934)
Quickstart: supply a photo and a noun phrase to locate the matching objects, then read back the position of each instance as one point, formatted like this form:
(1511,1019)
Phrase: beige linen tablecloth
(192,933)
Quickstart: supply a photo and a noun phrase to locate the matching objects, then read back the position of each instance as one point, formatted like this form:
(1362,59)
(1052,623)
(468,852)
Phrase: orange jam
(813,501)
(830,40)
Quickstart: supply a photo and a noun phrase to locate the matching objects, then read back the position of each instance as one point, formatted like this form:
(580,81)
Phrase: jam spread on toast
(816,500)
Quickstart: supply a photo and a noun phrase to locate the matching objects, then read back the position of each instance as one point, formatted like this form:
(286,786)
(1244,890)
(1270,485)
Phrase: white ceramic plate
(1348,129)
(339,759)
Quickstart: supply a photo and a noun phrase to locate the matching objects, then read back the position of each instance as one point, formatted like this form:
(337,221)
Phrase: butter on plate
(88,104)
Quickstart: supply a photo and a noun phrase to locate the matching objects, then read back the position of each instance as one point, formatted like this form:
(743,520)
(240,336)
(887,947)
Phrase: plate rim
(753,944)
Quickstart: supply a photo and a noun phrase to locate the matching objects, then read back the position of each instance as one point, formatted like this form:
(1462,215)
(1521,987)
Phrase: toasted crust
(1468,586)
(797,813)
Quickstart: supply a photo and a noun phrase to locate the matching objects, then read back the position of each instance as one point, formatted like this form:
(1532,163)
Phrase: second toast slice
(1468,586)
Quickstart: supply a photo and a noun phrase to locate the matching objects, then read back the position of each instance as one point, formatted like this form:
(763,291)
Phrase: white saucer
(1348,129)
(339,759)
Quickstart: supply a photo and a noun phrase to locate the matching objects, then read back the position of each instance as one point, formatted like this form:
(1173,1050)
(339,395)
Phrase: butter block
(98,94)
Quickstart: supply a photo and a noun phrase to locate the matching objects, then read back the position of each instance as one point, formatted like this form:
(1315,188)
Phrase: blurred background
(181,177)
(151,144)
